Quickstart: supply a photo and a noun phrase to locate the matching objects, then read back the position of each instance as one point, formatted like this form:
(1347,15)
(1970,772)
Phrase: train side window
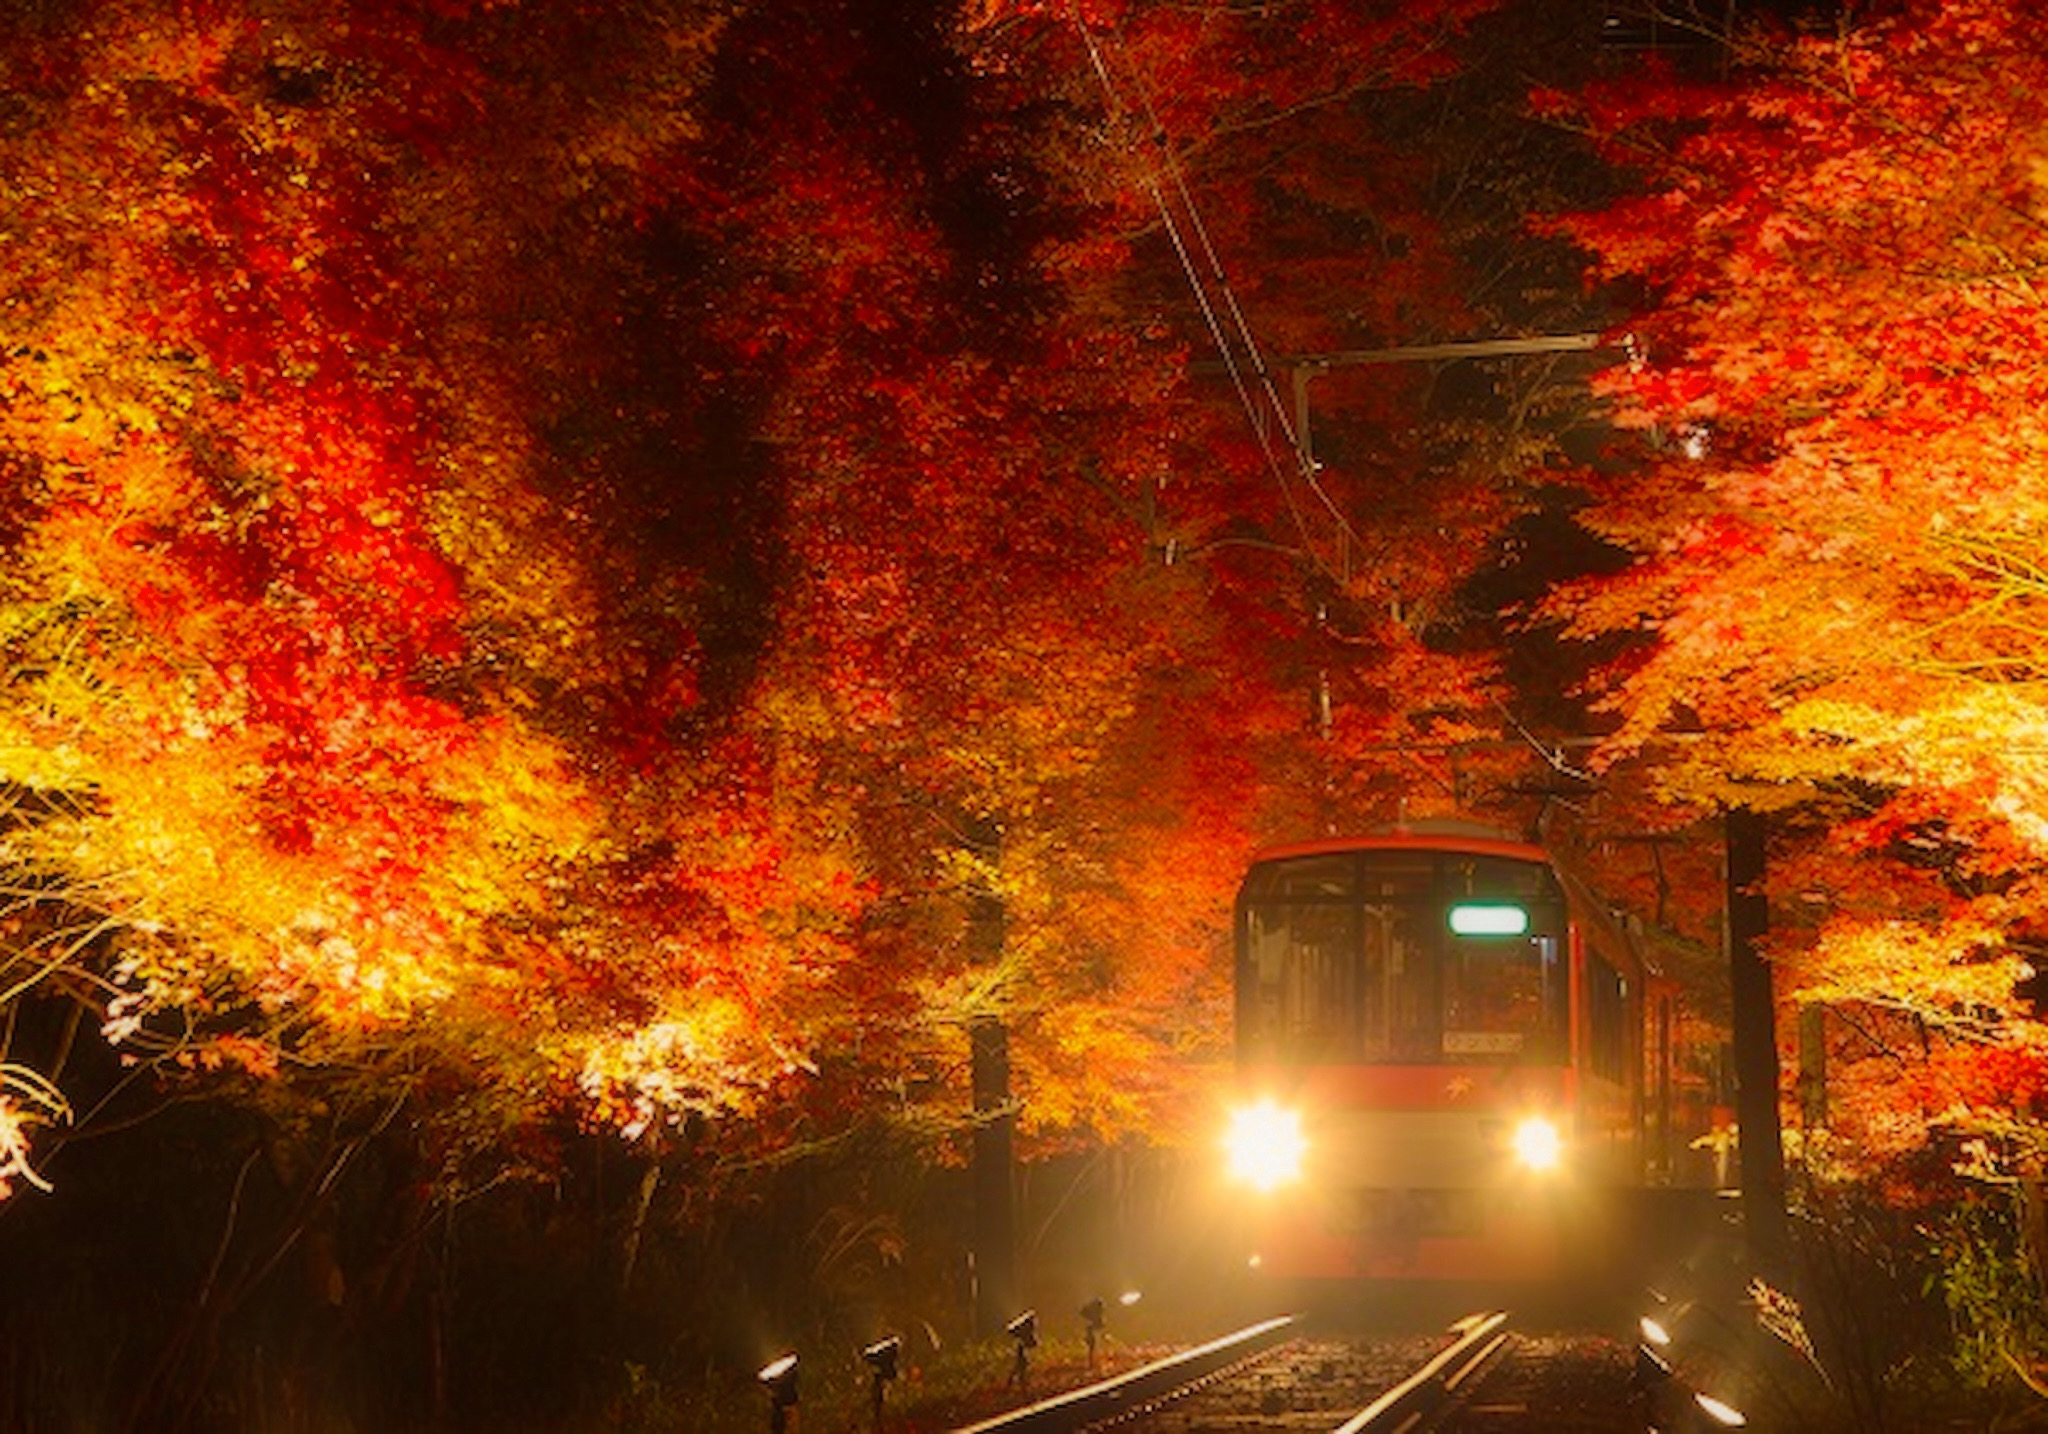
(1607,1012)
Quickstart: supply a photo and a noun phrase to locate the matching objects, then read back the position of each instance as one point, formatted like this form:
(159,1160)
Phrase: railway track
(1278,1377)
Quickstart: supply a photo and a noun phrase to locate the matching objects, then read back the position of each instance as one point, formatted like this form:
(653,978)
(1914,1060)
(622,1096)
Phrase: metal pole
(1304,369)
(1445,352)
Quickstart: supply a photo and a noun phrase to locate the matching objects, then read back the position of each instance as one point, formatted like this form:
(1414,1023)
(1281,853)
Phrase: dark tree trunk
(1756,1041)
(995,1200)
(995,1214)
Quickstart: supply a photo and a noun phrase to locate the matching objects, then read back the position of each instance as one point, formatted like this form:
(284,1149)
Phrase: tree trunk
(1813,1066)
(995,1212)
(995,1199)
(643,1200)
(1756,1042)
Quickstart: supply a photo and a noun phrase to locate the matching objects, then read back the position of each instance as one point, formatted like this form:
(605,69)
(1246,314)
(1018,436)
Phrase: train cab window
(1310,878)
(1505,990)
(1505,996)
(1297,985)
(1397,982)
(1401,956)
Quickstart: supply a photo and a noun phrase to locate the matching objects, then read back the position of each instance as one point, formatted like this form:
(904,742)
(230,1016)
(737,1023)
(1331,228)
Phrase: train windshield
(1401,956)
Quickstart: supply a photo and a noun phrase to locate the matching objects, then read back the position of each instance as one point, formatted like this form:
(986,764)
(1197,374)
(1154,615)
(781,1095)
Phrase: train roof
(1438,836)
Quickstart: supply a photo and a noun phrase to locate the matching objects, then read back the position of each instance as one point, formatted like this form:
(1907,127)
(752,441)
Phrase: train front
(1419,1094)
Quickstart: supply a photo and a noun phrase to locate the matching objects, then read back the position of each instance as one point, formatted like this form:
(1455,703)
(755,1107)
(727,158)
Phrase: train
(1452,1062)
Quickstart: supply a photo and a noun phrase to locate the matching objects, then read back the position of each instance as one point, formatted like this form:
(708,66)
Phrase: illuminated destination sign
(1489,918)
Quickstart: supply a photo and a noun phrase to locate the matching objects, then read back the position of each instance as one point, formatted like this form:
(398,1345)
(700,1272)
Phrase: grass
(938,1390)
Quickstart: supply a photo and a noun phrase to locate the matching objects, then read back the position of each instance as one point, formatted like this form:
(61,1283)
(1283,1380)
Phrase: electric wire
(1297,439)
(1150,180)
(1225,349)
(1304,462)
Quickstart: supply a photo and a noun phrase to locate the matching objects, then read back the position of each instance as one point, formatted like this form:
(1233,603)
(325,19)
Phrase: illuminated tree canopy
(1833,605)
(618,577)
(563,598)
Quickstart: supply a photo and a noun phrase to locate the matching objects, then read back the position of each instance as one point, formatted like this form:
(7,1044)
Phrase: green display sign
(1489,918)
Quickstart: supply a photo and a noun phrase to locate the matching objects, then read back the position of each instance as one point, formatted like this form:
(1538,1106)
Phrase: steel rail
(1094,1403)
(1425,1393)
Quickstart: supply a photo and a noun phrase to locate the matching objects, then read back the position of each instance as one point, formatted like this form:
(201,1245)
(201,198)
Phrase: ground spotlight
(1092,1315)
(1653,1385)
(884,1358)
(1650,1370)
(779,1379)
(1662,1326)
(1024,1330)
(1725,1416)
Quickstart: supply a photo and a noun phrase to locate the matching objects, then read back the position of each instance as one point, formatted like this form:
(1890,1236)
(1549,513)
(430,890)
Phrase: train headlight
(1537,1144)
(1264,1145)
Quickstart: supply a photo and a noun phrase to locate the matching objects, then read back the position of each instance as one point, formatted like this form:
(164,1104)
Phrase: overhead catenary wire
(1296,435)
(1222,314)
(1230,331)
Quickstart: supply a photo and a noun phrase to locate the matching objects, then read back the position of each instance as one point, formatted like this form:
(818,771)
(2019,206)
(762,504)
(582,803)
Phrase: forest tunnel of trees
(632,627)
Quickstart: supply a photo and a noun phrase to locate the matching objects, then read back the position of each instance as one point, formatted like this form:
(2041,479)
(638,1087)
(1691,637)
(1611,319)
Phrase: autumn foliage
(548,600)
(1833,608)
(639,568)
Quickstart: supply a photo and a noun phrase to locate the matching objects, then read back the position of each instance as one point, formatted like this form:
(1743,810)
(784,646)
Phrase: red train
(1449,1057)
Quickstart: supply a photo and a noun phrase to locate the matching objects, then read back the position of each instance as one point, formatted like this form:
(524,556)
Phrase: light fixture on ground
(883,1359)
(1722,1414)
(1094,1318)
(778,1377)
(1669,1404)
(1651,1370)
(1024,1331)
